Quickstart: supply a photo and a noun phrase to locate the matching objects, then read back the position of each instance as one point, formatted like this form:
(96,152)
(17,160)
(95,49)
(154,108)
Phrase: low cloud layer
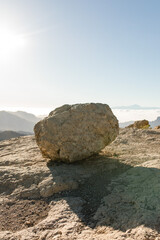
(125,115)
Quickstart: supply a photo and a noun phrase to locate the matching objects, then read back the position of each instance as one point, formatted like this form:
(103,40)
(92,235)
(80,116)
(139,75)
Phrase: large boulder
(74,132)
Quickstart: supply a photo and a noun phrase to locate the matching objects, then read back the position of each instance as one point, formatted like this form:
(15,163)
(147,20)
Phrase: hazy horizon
(123,115)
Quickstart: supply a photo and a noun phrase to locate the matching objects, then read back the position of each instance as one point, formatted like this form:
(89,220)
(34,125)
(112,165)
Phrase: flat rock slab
(116,195)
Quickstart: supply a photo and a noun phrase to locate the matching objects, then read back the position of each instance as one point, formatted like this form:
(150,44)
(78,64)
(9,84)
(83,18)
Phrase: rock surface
(157,127)
(142,124)
(75,132)
(113,196)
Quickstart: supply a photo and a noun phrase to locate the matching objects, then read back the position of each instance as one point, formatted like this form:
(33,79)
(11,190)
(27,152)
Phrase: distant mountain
(135,107)
(17,121)
(27,116)
(125,124)
(5,135)
(155,123)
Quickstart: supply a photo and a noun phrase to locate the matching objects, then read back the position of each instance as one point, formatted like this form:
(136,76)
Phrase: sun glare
(10,43)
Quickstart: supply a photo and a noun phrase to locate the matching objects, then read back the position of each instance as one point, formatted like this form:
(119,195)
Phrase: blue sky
(80,51)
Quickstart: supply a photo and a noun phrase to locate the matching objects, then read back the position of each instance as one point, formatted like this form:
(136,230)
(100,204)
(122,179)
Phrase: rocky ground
(114,195)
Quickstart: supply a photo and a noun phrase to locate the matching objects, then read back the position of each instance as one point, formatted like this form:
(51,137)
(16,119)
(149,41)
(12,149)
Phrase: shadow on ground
(117,194)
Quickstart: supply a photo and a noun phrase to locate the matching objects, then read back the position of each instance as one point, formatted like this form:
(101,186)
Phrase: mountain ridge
(17,121)
(6,135)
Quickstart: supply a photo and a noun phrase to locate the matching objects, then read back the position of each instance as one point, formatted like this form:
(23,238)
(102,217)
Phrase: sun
(10,43)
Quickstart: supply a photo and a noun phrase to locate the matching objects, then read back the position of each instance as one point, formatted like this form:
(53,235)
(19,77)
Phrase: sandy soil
(18,214)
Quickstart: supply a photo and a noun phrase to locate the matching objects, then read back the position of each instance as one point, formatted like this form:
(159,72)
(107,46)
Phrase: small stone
(157,127)
(142,124)
(28,223)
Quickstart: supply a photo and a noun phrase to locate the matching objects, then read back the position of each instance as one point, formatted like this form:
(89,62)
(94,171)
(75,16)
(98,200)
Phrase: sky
(54,52)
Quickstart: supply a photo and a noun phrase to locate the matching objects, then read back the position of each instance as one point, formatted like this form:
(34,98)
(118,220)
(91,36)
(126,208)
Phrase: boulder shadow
(115,194)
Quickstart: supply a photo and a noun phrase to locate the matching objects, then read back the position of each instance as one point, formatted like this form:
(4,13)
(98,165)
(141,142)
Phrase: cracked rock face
(75,132)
